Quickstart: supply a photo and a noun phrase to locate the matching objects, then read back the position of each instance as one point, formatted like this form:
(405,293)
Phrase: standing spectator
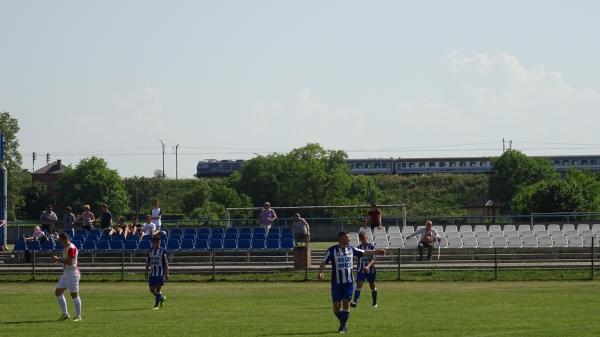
(267,216)
(87,218)
(301,229)
(427,236)
(156,214)
(48,218)
(106,219)
(69,218)
(373,217)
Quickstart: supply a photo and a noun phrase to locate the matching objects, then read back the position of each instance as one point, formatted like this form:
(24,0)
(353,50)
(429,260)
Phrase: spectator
(87,218)
(373,217)
(106,220)
(267,216)
(156,214)
(52,234)
(48,218)
(301,229)
(149,226)
(121,227)
(2,223)
(68,219)
(132,228)
(139,228)
(427,236)
(38,235)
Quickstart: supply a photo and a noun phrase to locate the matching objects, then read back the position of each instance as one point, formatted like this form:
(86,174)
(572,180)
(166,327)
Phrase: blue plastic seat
(286,230)
(204,230)
(70,233)
(246,230)
(79,237)
(47,246)
(258,236)
(33,246)
(217,236)
(118,238)
(105,237)
(163,244)
(273,236)
(203,237)
(145,245)
(147,238)
(274,230)
(201,244)
(230,244)
(260,230)
(245,236)
(189,237)
(103,245)
(177,231)
(20,246)
(175,237)
(81,232)
(94,232)
(116,244)
(133,238)
(273,244)
(92,237)
(287,236)
(189,231)
(77,244)
(216,244)
(89,245)
(187,244)
(217,230)
(287,243)
(258,244)
(231,230)
(244,244)
(173,245)
(131,245)
(230,236)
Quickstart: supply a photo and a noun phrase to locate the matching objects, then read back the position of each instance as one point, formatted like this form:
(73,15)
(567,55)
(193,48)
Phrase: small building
(482,208)
(49,175)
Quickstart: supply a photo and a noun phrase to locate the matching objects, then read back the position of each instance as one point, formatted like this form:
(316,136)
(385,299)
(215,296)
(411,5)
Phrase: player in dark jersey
(342,282)
(366,271)
(158,265)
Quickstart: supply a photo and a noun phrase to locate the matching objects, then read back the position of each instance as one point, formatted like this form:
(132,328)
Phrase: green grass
(304,309)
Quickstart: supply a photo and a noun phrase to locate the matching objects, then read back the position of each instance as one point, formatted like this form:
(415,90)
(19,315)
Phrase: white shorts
(70,281)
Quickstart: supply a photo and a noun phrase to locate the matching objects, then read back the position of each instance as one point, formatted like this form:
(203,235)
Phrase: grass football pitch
(567,308)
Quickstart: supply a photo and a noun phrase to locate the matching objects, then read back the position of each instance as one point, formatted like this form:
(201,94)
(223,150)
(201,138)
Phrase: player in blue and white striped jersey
(342,282)
(158,265)
(366,271)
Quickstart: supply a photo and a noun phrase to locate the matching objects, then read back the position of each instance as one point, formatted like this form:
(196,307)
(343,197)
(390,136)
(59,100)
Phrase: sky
(233,79)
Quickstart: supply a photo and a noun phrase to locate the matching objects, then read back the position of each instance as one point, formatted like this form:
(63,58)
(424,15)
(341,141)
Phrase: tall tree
(92,182)
(17,177)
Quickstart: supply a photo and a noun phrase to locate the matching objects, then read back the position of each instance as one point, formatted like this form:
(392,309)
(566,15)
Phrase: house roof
(55,167)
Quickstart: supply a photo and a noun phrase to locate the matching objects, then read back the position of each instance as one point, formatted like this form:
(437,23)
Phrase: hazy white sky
(226,79)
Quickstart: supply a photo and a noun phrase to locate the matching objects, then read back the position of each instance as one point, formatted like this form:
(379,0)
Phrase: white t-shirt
(149,228)
(156,214)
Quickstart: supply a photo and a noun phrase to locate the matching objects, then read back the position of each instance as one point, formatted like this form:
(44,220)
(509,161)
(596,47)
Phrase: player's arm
(147,266)
(166,266)
(326,259)
(274,217)
(378,251)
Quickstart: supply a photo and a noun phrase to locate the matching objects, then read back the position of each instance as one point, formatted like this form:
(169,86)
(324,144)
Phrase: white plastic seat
(559,241)
(466,228)
(568,227)
(574,241)
(538,228)
(408,230)
(380,230)
(419,227)
(380,235)
(394,235)
(450,228)
(556,233)
(583,227)
(511,234)
(455,243)
(497,234)
(500,242)
(526,234)
(467,235)
(484,242)
(480,228)
(438,229)
(587,241)
(381,243)
(509,228)
(443,242)
(530,242)
(354,239)
(469,242)
(545,241)
(495,228)
(596,228)
(452,234)
(365,230)
(396,242)
(515,242)
(482,234)
(553,228)
(524,228)
(571,233)
(540,234)
(587,232)
(394,229)
(411,243)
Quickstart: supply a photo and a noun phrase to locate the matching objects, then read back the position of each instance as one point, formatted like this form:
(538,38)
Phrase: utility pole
(175,148)
(34,157)
(47,158)
(503,146)
(163,158)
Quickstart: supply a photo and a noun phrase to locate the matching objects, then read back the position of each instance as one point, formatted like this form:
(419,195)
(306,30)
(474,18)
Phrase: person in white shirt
(156,214)
(427,236)
(149,227)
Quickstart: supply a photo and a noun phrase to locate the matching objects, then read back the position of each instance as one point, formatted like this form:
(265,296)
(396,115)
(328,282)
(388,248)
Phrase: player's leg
(159,296)
(344,314)
(429,250)
(60,298)
(373,290)
(359,285)
(73,287)
(420,247)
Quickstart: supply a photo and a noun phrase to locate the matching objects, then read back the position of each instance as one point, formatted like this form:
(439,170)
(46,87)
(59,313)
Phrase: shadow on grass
(126,309)
(301,334)
(29,322)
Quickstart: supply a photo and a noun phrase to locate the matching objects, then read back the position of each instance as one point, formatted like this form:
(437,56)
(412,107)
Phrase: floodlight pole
(3,195)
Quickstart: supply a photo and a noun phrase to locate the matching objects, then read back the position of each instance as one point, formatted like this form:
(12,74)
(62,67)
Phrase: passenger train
(220,168)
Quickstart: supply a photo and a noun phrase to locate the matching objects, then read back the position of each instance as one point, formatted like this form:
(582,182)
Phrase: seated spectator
(139,228)
(87,218)
(149,226)
(120,228)
(38,235)
(52,234)
(427,237)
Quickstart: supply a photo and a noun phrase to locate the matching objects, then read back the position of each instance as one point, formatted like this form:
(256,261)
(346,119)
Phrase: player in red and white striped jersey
(69,279)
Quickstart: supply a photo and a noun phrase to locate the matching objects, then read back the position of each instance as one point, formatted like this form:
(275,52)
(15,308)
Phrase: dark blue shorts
(342,291)
(362,277)
(156,281)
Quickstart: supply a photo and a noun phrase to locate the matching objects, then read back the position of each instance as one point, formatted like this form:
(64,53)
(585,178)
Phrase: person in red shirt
(69,279)
(373,217)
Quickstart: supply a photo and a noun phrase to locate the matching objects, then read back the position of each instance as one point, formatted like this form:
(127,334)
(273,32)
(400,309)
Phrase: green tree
(514,170)
(92,182)
(197,197)
(36,200)
(17,177)
(141,191)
